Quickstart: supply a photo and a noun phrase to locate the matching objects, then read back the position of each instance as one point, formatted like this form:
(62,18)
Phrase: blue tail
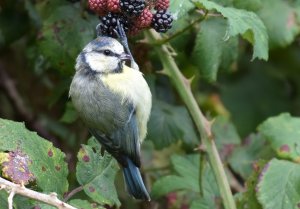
(134,182)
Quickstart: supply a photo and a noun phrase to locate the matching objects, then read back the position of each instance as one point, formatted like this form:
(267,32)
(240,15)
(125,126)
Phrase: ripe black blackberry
(132,7)
(161,21)
(109,24)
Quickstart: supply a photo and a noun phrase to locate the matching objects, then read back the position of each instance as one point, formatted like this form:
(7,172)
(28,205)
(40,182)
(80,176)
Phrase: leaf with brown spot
(96,173)
(31,155)
(283,134)
(16,168)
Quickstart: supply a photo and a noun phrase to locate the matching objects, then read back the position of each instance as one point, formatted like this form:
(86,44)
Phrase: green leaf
(284,135)
(281,22)
(97,173)
(252,5)
(254,148)
(44,161)
(226,135)
(187,178)
(168,124)
(202,204)
(63,36)
(179,8)
(84,204)
(279,185)
(3,199)
(245,23)
(212,51)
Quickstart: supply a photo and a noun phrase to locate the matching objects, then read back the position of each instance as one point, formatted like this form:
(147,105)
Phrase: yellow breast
(131,85)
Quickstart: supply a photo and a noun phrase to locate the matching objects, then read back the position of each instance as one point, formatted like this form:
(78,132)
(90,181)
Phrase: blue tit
(114,101)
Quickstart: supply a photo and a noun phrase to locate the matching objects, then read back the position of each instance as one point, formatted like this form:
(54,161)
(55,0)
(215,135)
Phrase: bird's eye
(107,52)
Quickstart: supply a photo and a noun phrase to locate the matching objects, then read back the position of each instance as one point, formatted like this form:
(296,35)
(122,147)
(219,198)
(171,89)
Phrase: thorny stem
(50,199)
(203,125)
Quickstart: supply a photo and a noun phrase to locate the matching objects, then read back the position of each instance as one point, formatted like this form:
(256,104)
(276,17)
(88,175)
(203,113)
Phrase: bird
(114,101)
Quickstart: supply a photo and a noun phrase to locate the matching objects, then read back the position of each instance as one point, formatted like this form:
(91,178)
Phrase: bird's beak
(124,57)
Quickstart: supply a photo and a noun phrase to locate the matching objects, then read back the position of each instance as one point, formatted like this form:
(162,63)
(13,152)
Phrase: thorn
(201,148)
(163,72)
(143,41)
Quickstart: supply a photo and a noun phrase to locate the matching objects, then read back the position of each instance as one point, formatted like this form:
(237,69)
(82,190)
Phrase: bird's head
(102,55)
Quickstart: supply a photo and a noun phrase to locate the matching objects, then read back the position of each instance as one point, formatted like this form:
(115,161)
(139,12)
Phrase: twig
(72,193)
(203,125)
(10,199)
(50,199)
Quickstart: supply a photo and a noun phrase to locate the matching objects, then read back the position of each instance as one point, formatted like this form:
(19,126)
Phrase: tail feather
(134,182)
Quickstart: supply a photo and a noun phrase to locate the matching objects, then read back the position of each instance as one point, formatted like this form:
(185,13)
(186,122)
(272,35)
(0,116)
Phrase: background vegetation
(244,58)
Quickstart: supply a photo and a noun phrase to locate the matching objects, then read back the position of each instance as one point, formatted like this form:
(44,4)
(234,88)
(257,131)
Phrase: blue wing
(123,142)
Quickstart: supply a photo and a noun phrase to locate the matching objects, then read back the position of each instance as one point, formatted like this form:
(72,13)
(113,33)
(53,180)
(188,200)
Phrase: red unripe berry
(162,4)
(145,19)
(113,5)
(98,6)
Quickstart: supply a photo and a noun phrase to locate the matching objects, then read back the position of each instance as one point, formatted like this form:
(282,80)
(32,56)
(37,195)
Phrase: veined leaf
(283,133)
(97,173)
(45,162)
(168,124)
(212,51)
(242,22)
(279,185)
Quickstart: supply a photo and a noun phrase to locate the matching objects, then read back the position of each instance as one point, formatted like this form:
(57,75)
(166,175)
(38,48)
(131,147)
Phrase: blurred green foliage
(244,57)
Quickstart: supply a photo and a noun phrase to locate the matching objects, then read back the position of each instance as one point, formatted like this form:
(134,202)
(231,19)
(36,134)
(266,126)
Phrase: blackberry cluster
(134,15)
(132,7)
(162,21)
(110,24)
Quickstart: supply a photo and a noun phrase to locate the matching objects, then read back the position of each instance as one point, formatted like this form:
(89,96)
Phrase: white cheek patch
(97,62)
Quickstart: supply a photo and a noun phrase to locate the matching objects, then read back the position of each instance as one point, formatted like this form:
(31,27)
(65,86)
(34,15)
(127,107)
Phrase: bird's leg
(123,39)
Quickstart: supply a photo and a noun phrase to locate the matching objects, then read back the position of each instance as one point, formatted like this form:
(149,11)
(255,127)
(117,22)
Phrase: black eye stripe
(107,52)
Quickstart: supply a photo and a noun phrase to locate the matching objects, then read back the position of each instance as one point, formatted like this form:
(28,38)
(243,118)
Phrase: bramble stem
(203,125)
(15,189)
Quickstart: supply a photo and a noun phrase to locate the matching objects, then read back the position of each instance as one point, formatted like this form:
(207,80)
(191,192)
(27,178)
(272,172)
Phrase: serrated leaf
(254,148)
(168,124)
(244,23)
(84,204)
(97,173)
(63,36)
(279,185)
(281,22)
(284,135)
(212,51)
(46,162)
